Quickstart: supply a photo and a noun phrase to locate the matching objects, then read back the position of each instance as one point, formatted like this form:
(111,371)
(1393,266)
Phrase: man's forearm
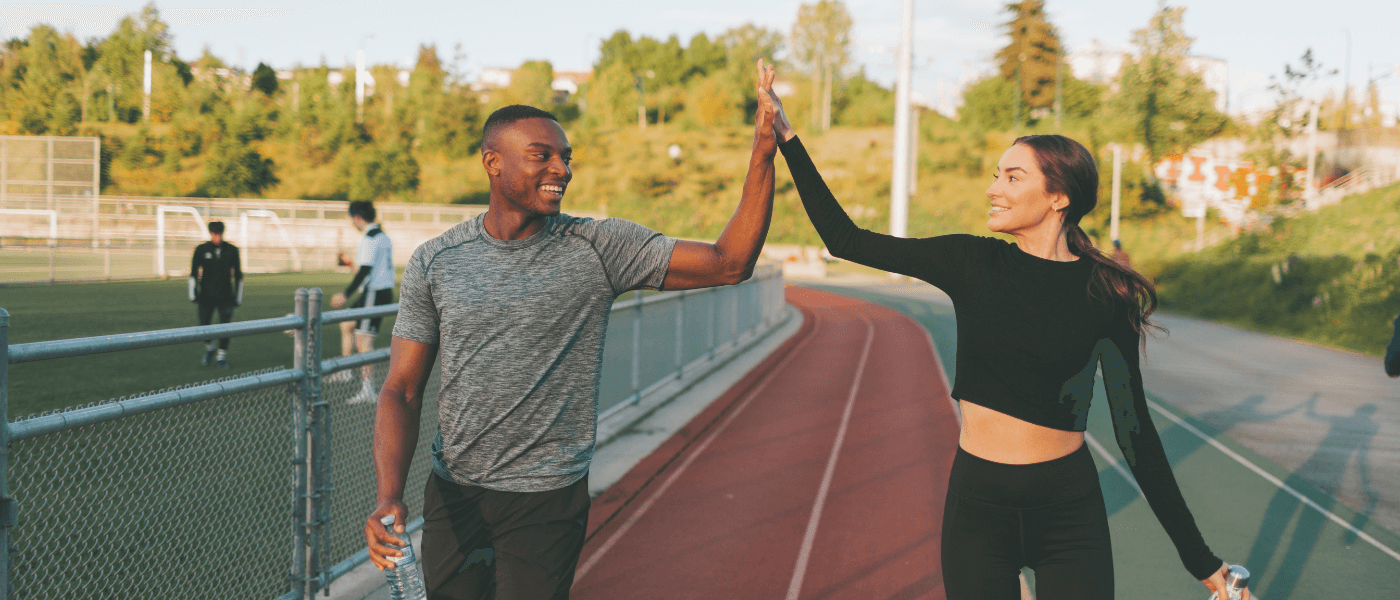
(743,237)
(395,438)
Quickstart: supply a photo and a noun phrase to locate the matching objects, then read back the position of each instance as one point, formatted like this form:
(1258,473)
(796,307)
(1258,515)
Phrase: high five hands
(770,108)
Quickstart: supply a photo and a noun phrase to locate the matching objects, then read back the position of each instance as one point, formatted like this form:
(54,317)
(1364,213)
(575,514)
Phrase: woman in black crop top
(1036,320)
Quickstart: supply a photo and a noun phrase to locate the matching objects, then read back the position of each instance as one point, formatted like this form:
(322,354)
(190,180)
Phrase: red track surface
(723,508)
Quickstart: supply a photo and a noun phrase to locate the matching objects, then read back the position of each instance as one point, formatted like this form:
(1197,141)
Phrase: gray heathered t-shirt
(519,327)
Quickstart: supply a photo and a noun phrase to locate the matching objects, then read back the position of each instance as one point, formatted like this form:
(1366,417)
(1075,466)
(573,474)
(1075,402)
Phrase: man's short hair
(216,227)
(510,114)
(363,208)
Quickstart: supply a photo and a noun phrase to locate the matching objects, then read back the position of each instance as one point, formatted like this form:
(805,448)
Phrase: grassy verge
(1327,277)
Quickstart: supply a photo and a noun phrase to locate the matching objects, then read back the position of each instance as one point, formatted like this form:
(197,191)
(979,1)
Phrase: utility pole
(359,86)
(1308,189)
(1117,191)
(899,188)
(146,85)
(1346,86)
(1059,104)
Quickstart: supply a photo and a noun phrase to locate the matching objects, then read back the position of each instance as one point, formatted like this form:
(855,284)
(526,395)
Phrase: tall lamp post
(899,186)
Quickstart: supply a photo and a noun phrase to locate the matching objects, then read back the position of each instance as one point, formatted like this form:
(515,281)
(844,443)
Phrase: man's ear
(491,161)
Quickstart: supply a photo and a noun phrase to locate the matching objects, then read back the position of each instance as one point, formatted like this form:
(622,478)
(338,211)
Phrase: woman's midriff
(1002,438)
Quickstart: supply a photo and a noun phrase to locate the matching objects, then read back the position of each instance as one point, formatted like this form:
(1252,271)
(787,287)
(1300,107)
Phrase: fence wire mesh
(351,470)
(200,500)
(186,502)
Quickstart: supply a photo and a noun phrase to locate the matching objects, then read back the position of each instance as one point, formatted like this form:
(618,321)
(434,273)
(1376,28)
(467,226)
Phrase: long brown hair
(1070,169)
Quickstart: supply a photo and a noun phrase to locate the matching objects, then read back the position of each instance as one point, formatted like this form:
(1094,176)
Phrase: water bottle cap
(388,520)
(1237,578)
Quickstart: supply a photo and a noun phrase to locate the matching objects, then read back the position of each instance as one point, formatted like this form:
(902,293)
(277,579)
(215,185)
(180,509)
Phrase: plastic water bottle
(405,582)
(1235,582)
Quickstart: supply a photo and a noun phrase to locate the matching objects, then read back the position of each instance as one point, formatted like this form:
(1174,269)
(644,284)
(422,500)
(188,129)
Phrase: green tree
(702,57)
(530,85)
(236,169)
(746,44)
(122,57)
(611,98)
(382,170)
(264,80)
(1168,108)
(1031,59)
(864,103)
(989,104)
(47,73)
(821,42)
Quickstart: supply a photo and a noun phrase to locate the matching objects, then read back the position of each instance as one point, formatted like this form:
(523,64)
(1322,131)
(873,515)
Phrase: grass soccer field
(70,310)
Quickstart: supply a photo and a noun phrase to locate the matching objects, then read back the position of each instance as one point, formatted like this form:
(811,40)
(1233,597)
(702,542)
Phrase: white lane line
(642,510)
(1274,480)
(795,587)
(1117,465)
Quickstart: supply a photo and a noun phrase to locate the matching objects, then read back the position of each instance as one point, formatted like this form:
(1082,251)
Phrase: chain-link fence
(258,485)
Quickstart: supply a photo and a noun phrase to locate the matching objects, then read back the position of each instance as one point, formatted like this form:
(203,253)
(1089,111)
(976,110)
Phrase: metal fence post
(319,505)
(680,332)
(9,508)
(299,575)
(714,300)
(637,349)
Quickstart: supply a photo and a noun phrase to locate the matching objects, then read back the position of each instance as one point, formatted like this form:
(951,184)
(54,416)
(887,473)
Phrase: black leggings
(1048,516)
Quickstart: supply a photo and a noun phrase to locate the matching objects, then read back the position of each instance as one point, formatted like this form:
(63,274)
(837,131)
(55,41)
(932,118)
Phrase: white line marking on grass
(642,510)
(1274,480)
(795,587)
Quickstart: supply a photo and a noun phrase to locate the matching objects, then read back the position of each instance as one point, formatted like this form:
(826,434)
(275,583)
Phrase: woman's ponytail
(1114,284)
(1069,169)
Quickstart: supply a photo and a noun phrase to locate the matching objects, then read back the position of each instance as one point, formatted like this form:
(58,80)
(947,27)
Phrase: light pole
(1346,85)
(899,186)
(360,79)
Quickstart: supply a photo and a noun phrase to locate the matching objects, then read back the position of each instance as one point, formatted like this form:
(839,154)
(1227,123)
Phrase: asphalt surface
(1329,417)
(1280,448)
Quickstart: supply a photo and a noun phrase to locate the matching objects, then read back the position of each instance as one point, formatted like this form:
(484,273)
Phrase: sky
(955,40)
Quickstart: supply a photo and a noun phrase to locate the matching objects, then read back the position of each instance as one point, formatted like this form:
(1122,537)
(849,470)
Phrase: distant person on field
(216,283)
(1392,353)
(516,300)
(374,283)
(1120,255)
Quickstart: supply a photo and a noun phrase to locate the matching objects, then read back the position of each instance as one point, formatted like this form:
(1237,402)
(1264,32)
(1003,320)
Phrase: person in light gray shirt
(515,303)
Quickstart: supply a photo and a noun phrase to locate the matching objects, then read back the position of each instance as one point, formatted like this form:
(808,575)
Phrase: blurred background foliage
(216,130)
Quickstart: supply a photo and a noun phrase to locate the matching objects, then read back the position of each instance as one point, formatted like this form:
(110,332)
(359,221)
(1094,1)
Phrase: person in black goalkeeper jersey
(1035,321)
(216,284)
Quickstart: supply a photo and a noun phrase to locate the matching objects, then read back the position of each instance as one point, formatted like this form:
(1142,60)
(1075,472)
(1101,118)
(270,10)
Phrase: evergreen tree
(1032,56)
(264,80)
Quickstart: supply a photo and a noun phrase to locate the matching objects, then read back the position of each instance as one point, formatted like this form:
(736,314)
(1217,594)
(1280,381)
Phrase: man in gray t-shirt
(515,302)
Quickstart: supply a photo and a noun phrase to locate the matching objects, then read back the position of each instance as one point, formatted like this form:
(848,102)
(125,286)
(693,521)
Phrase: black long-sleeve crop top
(1029,340)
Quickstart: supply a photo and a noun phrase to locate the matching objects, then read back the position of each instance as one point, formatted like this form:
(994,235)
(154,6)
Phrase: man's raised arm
(731,258)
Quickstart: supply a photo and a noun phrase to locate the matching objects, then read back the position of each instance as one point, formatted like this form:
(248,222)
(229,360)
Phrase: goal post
(247,238)
(38,212)
(161,210)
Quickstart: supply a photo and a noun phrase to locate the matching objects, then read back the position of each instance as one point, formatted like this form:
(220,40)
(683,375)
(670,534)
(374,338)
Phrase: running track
(819,475)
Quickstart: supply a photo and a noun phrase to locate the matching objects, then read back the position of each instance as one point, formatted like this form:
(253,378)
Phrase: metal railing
(185,492)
